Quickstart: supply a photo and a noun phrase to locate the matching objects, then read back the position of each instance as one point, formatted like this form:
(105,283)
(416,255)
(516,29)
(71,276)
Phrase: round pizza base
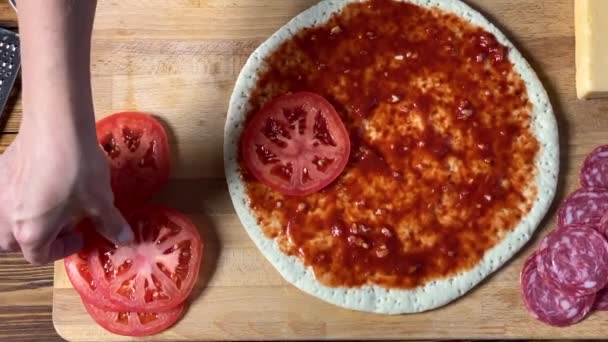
(372,298)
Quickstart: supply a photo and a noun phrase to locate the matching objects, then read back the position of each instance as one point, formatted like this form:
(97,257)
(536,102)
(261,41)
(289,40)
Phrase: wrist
(61,126)
(56,84)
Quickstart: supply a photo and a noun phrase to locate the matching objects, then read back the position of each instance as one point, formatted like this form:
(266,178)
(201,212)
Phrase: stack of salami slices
(567,277)
(141,288)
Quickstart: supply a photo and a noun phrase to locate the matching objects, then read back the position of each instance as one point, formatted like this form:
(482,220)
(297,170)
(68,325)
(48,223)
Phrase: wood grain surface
(178,59)
(8,17)
(25,300)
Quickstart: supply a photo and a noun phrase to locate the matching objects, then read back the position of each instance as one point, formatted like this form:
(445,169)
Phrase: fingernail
(126,235)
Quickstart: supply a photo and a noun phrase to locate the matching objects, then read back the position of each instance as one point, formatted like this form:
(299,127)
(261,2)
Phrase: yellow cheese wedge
(591,25)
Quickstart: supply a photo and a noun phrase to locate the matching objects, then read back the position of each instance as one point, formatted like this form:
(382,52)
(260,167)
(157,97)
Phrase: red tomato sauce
(442,161)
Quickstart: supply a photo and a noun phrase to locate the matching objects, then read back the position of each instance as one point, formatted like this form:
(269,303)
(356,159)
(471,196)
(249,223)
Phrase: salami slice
(575,260)
(601,300)
(547,303)
(594,173)
(603,227)
(584,206)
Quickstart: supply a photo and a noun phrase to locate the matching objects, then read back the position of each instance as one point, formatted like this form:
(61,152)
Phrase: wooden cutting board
(179,59)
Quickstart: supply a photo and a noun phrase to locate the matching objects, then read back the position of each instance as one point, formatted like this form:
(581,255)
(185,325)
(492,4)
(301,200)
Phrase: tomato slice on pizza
(296,144)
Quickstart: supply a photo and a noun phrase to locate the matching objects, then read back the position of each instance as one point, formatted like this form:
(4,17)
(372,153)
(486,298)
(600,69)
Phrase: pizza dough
(374,298)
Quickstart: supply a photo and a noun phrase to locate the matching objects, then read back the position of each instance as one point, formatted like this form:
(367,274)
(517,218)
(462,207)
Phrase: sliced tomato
(133,323)
(78,271)
(136,146)
(296,144)
(158,270)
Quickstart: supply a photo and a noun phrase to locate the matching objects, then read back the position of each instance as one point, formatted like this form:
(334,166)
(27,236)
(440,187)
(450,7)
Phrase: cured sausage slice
(601,300)
(584,206)
(594,173)
(575,260)
(603,226)
(547,303)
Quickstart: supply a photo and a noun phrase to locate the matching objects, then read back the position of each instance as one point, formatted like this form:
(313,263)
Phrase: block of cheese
(591,30)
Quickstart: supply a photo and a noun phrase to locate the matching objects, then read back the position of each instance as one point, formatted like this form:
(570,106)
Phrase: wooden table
(198,47)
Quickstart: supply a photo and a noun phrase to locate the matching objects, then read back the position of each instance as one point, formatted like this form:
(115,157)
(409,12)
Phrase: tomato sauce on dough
(442,160)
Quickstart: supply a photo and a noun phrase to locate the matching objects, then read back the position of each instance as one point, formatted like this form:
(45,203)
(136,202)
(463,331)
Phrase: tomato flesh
(136,147)
(137,289)
(79,273)
(159,269)
(296,144)
(133,323)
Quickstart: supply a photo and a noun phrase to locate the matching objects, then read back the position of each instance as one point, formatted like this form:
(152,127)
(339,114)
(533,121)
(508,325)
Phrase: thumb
(110,223)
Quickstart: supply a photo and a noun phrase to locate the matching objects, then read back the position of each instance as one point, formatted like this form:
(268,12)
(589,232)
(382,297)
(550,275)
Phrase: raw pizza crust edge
(373,298)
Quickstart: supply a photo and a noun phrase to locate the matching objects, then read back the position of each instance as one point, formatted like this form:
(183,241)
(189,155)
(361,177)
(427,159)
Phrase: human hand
(49,183)
(55,174)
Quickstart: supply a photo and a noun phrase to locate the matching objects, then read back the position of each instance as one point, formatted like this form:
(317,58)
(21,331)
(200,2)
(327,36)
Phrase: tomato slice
(79,273)
(136,146)
(133,323)
(158,270)
(296,144)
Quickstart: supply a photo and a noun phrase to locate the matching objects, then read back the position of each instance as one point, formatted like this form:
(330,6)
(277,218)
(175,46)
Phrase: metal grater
(10,61)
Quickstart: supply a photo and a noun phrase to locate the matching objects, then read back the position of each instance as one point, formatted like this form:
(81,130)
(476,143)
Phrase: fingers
(65,245)
(35,236)
(47,237)
(7,240)
(110,223)
(35,252)
(39,249)
(8,243)
(41,242)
